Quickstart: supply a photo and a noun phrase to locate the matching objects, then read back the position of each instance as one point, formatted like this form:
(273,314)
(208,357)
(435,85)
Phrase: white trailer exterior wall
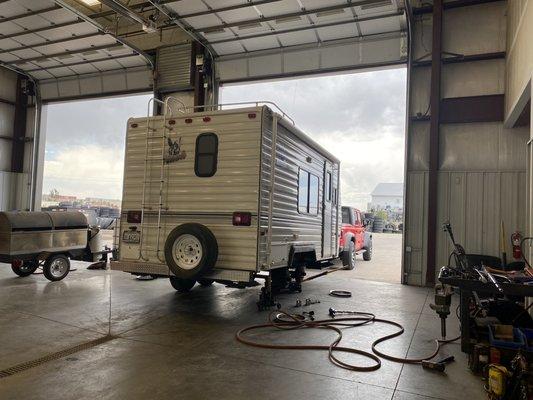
(241,183)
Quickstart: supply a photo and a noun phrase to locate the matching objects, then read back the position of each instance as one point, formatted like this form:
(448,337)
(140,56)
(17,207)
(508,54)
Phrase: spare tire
(191,250)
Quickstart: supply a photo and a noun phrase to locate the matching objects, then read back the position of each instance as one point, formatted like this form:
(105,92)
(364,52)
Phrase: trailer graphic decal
(174,152)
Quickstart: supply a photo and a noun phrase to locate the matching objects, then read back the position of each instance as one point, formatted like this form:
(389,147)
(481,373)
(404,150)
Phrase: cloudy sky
(358,117)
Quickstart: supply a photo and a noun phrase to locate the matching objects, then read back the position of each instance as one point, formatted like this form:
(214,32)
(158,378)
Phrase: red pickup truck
(354,238)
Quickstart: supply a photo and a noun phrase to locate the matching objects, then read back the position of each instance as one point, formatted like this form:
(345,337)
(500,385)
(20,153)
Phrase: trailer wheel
(56,267)
(205,282)
(24,268)
(182,285)
(348,257)
(191,251)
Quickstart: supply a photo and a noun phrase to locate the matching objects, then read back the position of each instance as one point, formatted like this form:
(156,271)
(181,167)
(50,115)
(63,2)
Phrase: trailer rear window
(205,159)
(308,187)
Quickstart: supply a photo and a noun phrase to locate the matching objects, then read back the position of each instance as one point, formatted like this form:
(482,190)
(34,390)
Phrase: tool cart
(496,327)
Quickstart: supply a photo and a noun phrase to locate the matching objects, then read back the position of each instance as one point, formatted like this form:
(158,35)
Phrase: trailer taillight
(134,217)
(188,120)
(242,218)
(252,115)
(207,119)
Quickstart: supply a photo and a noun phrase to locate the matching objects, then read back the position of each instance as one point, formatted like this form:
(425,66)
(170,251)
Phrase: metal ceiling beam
(126,11)
(95,60)
(67,53)
(250,3)
(29,14)
(288,15)
(49,42)
(175,19)
(91,21)
(451,5)
(308,27)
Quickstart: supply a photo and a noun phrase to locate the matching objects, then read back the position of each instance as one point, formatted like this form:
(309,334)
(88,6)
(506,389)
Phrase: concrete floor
(386,262)
(182,346)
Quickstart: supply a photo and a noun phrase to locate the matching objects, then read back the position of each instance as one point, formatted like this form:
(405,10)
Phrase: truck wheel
(205,282)
(182,285)
(367,255)
(191,251)
(24,268)
(348,257)
(56,267)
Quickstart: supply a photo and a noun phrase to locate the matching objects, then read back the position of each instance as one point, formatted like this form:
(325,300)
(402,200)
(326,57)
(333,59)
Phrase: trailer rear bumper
(136,267)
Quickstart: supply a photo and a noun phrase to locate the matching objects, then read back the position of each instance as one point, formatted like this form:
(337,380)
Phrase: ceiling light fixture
(91,3)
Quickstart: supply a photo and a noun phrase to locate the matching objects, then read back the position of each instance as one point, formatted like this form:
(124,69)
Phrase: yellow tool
(497,381)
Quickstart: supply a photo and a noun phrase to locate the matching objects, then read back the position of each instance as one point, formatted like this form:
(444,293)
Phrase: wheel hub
(187,251)
(58,268)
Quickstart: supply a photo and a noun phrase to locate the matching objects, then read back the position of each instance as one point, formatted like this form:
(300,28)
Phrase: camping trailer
(199,204)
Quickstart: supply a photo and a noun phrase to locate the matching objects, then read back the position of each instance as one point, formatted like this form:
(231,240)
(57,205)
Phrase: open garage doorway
(84,155)
(360,118)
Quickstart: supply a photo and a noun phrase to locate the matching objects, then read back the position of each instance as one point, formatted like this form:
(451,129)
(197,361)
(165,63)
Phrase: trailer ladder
(147,206)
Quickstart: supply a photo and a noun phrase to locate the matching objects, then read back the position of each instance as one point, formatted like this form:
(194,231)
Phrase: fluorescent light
(91,3)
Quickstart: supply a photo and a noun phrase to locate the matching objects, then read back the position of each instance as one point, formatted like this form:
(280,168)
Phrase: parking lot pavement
(386,263)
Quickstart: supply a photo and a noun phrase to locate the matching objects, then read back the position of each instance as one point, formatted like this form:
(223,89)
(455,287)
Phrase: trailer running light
(134,217)
(242,218)
(252,115)
(171,121)
(188,120)
(207,119)
(134,125)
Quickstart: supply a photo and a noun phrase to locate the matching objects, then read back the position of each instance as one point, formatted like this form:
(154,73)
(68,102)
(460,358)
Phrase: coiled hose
(285,321)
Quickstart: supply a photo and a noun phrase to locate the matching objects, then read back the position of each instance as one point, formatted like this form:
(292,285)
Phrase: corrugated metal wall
(13,191)
(482,166)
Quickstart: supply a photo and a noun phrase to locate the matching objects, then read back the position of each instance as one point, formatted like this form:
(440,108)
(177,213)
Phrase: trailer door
(327,212)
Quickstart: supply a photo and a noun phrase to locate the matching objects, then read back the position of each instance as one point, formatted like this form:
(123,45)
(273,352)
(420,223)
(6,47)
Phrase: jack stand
(295,283)
(443,300)
(266,298)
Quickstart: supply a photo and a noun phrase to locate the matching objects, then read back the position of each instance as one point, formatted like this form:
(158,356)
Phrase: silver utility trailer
(226,195)
(30,239)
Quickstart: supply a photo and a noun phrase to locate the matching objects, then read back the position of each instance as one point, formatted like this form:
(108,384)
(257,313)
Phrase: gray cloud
(363,105)
(92,122)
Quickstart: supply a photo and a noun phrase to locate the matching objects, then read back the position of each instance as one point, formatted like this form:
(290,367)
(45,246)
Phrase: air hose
(285,321)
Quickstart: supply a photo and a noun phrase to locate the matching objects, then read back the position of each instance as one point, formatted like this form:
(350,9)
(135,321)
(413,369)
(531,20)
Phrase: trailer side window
(308,185)
(205,159)
(303,190)
(313,194)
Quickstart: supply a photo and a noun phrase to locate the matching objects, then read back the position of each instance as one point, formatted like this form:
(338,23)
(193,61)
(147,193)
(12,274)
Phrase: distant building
(387,195)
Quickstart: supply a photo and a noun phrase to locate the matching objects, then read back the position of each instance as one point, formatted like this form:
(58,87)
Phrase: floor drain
(54,356)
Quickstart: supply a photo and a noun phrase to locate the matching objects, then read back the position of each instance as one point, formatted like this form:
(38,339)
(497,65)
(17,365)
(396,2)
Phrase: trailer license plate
(131,237)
